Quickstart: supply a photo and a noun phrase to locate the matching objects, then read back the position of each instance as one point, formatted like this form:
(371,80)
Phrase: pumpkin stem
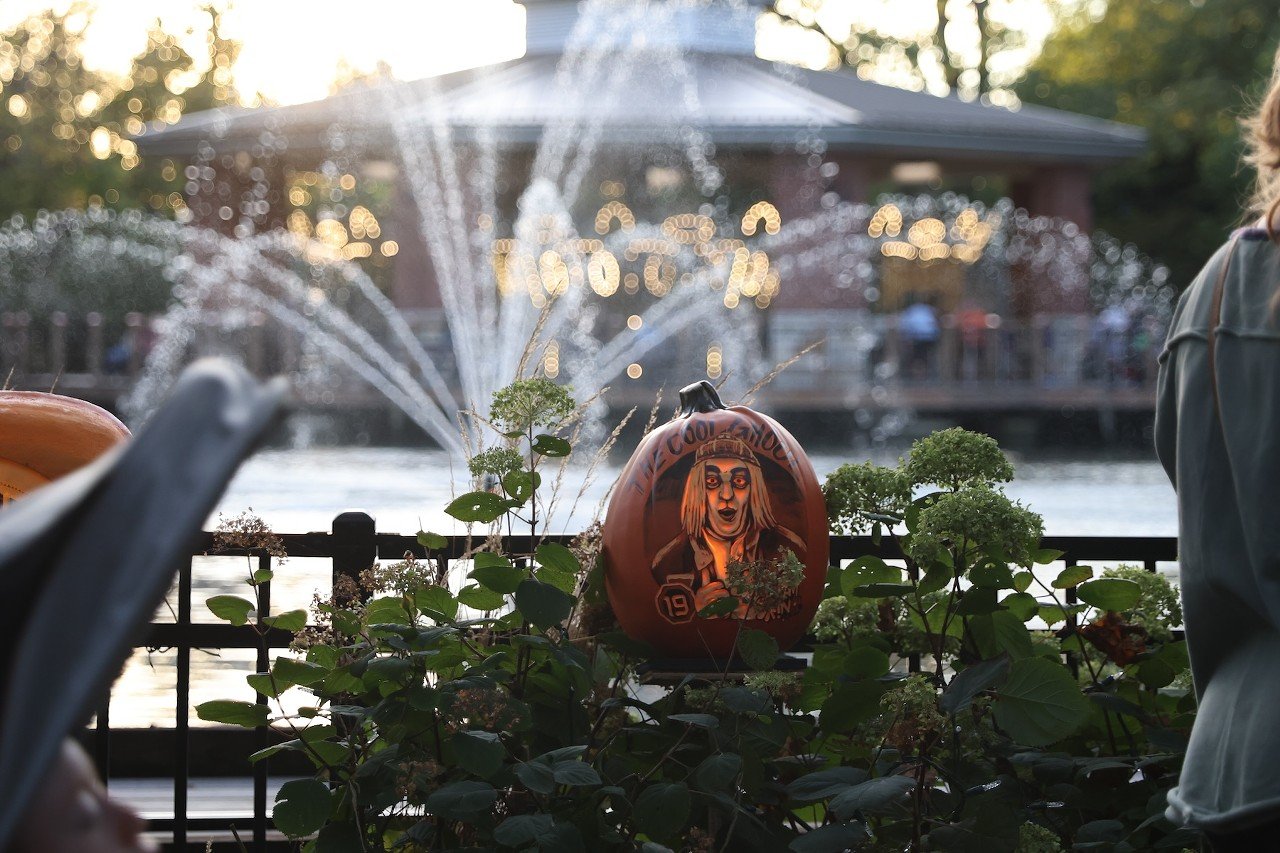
(700,397)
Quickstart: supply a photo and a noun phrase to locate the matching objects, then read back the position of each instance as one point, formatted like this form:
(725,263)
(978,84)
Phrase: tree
(938,55)
(1185,71)
(65,130)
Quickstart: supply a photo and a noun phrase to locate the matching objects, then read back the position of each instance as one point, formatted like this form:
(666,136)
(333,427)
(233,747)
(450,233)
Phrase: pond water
(405,490)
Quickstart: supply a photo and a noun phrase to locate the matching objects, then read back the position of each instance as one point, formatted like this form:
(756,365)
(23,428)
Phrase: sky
(291,48)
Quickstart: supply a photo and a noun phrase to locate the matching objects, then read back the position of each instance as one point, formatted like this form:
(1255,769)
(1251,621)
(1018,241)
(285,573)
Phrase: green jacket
(1227,476)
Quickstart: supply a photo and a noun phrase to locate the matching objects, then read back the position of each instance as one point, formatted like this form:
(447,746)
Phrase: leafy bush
(486,717)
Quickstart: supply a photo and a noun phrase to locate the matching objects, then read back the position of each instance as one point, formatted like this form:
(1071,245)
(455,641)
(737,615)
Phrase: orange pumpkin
(699,526)
(44,436)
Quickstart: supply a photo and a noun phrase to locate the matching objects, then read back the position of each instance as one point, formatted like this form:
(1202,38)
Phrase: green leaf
(302,807)
(232,608)
(261,683)
(338,838)
(661,810)
(1053,613)
(550,445)
(501,579)
(1022,581)
(972,681)
(250,715)
(1021,604)
(937,577)
(436,600)
(562,581)
(262,576)
(432,541)
(1110,593)
(869,570)
(483,507)
(758,649)
(836,838)
(480,598)
(461,800)
(850,705)
(865,662)
(720,607)
(1072,576)
(1040,703)
(521,485)
(702,721)
(977,601)
(556,556)
(991,574)
(290,620)
(874,796)
(718,772)
(299,671)
(543,604)
(575,773)
(386,610)
(881,590)
(825,783)
(1010,635)
(522,829)
(479,752)
(1045,556)
(536,776)
(744,700)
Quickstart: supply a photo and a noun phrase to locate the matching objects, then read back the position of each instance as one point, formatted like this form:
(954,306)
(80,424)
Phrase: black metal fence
(353,545)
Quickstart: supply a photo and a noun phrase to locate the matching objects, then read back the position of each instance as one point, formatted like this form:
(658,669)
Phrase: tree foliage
(950,49)
(1185,70)
(65,129)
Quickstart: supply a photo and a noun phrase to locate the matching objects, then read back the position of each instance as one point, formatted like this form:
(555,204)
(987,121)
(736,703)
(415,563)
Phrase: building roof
(699,74)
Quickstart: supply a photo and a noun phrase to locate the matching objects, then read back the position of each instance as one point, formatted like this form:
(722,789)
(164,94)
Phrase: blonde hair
(693,508)
(1262,141)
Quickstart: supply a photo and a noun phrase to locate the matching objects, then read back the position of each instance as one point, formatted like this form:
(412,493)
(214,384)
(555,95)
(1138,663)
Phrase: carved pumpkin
(699,526)
(44,436)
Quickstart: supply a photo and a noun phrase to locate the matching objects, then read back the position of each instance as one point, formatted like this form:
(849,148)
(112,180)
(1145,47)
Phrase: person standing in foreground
(1217,422)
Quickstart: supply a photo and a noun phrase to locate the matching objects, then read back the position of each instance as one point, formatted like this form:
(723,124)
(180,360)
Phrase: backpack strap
(1214,318)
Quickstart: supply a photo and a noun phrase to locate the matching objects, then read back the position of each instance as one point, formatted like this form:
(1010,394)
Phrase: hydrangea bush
(502,713)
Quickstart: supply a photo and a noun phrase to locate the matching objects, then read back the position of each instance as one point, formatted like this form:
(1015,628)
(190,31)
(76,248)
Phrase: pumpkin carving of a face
(708,508)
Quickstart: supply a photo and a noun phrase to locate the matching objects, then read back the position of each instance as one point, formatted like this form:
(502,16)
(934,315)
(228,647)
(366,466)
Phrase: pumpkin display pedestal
(717,525)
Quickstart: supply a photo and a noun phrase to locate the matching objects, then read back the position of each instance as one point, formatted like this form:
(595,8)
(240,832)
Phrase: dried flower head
(911,712)
(247,532)
(403,577)
(482,708)
(783,687)
(766,586)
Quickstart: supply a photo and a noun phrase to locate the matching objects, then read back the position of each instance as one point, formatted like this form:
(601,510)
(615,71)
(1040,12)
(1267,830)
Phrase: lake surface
(405,490)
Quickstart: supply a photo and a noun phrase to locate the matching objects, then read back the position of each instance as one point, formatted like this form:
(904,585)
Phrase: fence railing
(353,545)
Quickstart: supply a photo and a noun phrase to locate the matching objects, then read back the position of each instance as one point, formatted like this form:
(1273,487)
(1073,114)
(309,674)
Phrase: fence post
(355,545)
